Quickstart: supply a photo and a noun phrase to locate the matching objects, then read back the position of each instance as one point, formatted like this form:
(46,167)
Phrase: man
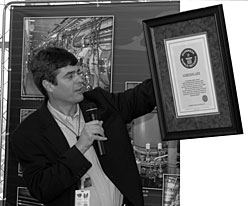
(56,145)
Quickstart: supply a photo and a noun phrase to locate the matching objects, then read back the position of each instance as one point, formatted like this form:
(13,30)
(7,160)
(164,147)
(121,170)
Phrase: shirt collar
(60,115)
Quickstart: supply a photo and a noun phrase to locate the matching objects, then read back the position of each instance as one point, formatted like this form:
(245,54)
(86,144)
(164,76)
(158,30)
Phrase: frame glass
(191,75)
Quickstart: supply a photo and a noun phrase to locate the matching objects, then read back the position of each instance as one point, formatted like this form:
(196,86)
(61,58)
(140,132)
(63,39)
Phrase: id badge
(82,198)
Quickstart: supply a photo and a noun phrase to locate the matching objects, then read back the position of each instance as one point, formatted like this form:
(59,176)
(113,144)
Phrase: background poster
(214,170)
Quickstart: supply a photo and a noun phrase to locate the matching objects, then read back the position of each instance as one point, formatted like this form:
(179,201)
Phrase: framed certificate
(192,74)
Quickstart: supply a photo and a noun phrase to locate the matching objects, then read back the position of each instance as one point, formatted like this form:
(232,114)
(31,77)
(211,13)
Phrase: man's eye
(69,76)
(80,72)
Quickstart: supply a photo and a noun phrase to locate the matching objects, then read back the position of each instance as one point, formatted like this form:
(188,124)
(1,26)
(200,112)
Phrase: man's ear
(47,85)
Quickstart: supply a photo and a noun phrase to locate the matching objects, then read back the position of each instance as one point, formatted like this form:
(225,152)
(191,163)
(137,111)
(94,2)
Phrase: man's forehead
(69,68)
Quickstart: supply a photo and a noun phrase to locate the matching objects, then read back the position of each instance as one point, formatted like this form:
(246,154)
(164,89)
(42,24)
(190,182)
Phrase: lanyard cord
(78,132)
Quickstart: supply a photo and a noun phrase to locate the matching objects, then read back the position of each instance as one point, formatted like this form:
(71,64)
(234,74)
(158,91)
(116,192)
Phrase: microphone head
(91,107)
(92,111)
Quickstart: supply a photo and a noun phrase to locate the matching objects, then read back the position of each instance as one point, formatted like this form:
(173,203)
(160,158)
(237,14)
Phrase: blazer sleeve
(134,102)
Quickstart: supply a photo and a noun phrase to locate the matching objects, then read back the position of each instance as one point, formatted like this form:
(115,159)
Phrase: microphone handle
(100,144)
(101,148)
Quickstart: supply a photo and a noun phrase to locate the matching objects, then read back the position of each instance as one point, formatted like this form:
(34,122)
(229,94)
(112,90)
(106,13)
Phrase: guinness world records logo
(188,58)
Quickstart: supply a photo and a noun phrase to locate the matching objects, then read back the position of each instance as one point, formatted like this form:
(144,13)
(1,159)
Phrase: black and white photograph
(24,113)
(171,190)
(25,198)
(123,103)
(92,55)
(89,38)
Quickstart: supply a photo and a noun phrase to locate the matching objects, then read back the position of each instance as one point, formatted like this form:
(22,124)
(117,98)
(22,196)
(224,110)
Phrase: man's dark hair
(45,64)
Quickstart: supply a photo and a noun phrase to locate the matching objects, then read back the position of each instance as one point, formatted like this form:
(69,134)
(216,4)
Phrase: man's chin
(80,97)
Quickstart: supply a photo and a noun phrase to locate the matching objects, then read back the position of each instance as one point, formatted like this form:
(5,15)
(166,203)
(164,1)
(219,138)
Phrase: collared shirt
(102,191)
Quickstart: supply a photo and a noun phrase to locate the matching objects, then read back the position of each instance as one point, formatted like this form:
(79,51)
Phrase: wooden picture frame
(192,73)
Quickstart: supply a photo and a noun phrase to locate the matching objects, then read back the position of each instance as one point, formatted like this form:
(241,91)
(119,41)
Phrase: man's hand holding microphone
(92,131)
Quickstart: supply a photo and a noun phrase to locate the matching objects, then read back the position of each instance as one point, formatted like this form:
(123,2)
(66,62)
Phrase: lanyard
(78,132)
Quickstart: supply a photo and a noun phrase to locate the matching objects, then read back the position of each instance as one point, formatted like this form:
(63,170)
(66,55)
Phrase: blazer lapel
(53,133)
(51,130)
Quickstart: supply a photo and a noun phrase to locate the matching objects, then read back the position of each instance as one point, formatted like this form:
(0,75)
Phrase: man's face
(70,85)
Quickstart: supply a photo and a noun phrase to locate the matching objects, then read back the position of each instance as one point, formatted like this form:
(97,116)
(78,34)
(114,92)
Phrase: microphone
(92,112)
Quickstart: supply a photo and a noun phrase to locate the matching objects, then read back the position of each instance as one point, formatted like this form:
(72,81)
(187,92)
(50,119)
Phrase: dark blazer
(51,169)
